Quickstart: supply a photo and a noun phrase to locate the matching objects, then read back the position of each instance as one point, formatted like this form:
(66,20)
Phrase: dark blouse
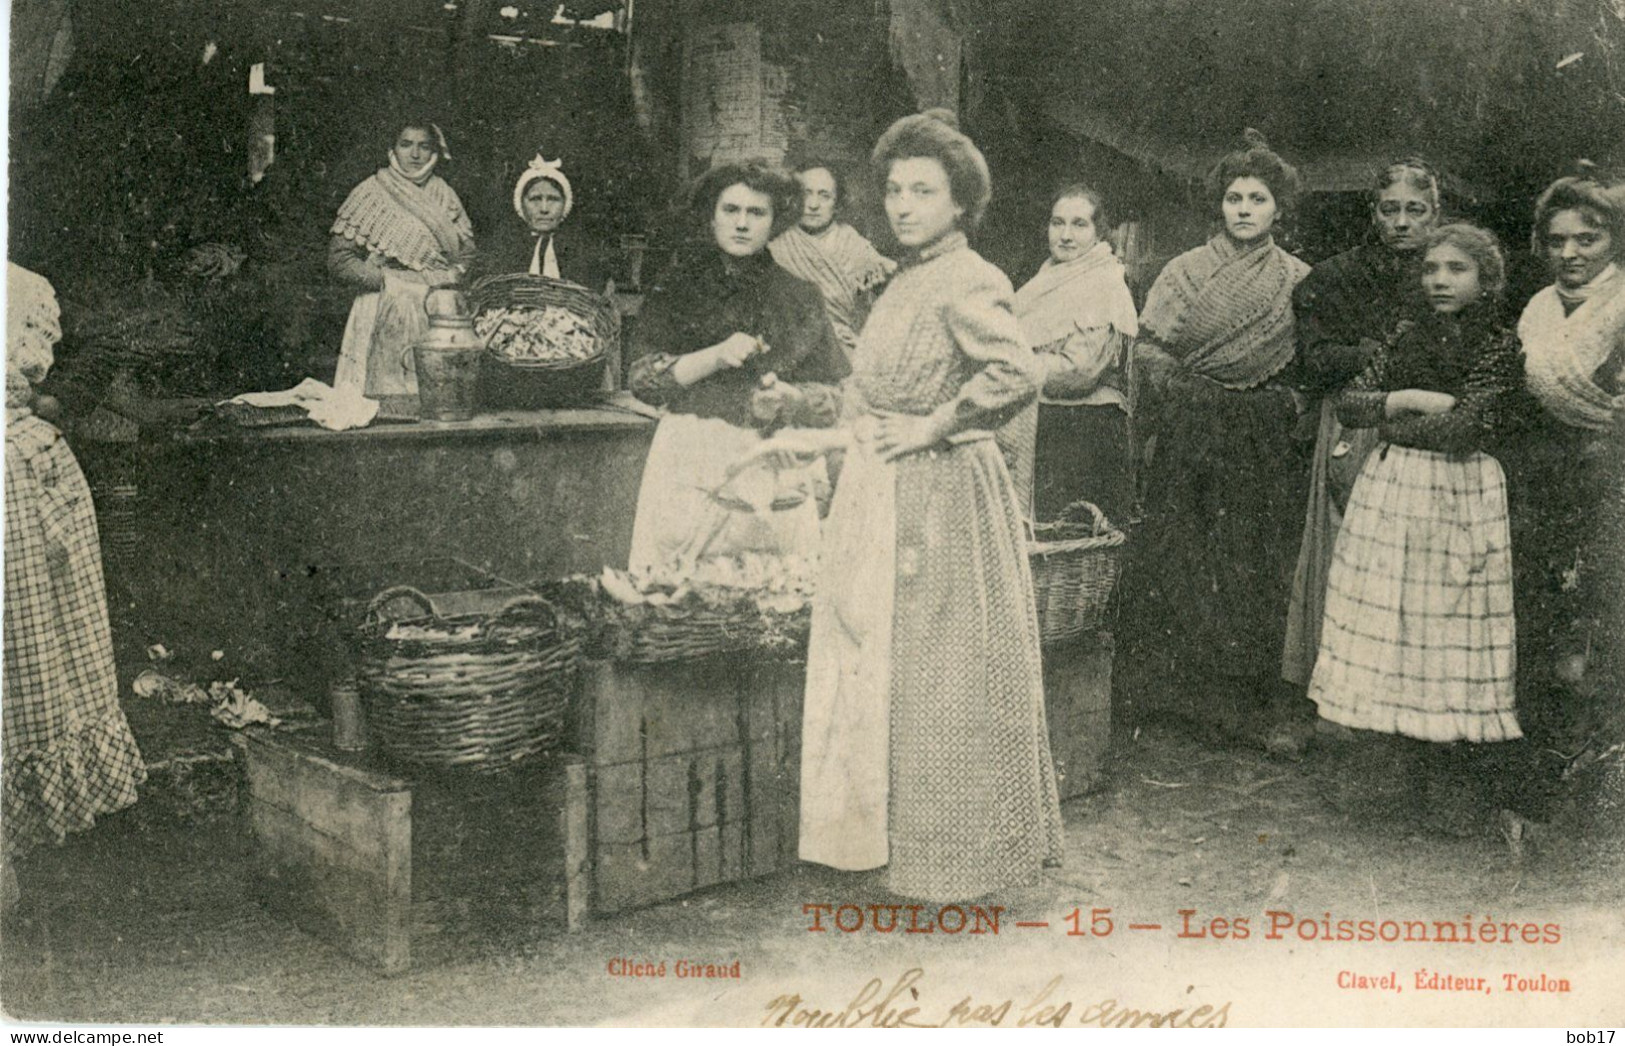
(511,250)
(1348,306)
(699,301)
(1473,357)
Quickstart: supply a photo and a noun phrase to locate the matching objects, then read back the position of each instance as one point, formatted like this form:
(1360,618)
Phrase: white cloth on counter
(335,409)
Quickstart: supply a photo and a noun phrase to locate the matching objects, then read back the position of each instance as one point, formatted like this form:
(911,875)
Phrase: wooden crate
(694,769)
(1078,701)
(401,871)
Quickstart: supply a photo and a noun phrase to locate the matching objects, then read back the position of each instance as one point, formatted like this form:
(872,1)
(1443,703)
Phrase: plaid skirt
(1418,636)
(68,754)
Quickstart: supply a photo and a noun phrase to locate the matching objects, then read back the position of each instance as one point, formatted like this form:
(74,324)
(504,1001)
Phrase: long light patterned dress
(924,744)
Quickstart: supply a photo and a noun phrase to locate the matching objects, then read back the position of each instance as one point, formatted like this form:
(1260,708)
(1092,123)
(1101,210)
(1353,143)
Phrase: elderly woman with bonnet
(543,198)
(1345,309)
(69,756)
(924,741)
(398,234)
(722,321)
(1206,594)
(1571,463)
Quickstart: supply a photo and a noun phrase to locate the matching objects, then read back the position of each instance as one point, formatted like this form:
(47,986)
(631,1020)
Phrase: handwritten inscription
(905,1003)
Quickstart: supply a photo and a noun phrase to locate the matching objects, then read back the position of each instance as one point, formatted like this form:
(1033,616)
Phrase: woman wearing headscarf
(924,745)
(1570,461)
(1206,596)
(830,254)
(1345,309)
(719,323)
(544,199)
(1079,317)
(68,754)
(400,233)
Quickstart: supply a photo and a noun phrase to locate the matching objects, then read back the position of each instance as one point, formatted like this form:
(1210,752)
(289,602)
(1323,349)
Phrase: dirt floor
(148,920)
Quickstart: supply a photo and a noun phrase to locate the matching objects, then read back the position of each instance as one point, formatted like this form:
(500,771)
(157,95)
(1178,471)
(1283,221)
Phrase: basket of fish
(546,341)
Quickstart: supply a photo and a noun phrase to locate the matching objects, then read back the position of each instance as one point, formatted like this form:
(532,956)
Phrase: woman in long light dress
(924,746)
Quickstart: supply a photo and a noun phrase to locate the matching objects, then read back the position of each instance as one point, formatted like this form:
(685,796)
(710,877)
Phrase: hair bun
(1254,139)
(945,116)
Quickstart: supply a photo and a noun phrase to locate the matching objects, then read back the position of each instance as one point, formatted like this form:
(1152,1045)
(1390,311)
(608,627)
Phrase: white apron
(678,518)
(846,731)
(382,326)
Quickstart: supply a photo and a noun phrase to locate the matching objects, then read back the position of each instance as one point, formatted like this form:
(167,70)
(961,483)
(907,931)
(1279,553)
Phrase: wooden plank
(618,802)
(629,875)
(364,812)
(612,714)
(574,826)
(331,891)
(774,692)
(632,875)
(1077,698)
(775,794)
(690,705)
(632,712)
(695,790)
(719,855)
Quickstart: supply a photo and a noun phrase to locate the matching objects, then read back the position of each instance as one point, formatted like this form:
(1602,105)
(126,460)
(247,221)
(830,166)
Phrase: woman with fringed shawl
(830,254)
(1568,465)
(1206,595)
(400,233)
(1079,316)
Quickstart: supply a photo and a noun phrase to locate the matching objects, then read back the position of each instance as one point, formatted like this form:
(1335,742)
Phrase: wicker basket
(538,384)
(655,634)
(1075,566)
(477,692)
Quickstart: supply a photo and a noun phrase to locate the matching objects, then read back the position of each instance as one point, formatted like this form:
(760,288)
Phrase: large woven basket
(477,692)
(1075,563)
(659,634)
(538,384)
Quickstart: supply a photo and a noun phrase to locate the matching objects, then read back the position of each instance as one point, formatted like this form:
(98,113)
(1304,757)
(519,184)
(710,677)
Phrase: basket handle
(1098,522)
(519,605)
(393,593)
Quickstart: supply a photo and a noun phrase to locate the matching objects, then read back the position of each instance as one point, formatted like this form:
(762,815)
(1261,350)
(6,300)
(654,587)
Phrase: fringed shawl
(1565,356)
(1225,309)
(421,227)
(1083,294)
(841,264)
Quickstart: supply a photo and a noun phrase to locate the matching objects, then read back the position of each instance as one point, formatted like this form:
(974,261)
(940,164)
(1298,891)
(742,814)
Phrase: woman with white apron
(723,321)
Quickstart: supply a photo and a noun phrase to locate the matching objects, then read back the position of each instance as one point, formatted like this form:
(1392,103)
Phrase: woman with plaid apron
(68,753)
(1418,638)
